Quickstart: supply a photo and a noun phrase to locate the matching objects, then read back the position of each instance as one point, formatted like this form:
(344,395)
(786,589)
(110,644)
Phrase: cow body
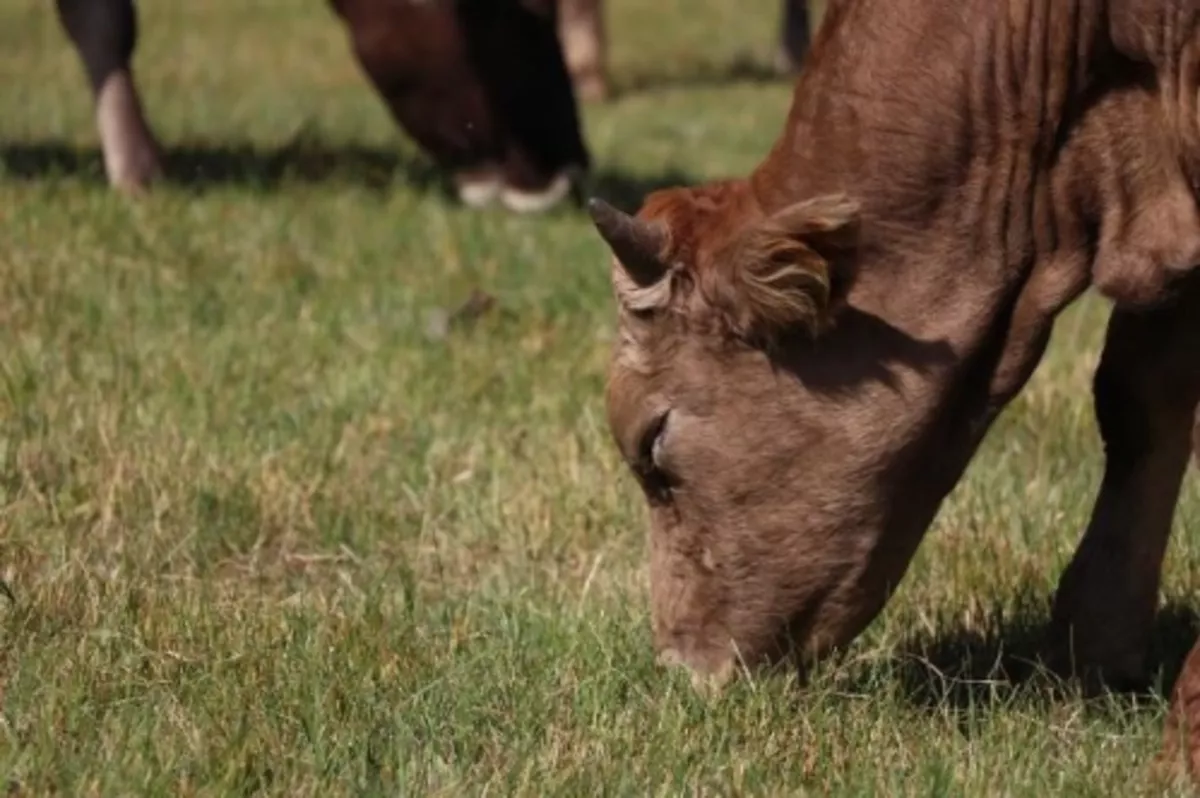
(482,87)
(809,357)
(104,33)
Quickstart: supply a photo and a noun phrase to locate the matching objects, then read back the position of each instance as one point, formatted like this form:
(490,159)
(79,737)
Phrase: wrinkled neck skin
(982,178)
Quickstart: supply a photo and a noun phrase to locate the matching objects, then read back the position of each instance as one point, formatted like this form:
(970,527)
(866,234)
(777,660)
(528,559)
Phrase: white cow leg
(532,201)
(131,155)
(584,41)
(478,187)
(794,36)
(104,33)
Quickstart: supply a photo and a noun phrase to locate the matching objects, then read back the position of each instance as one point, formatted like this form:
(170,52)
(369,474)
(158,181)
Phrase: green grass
(266,534)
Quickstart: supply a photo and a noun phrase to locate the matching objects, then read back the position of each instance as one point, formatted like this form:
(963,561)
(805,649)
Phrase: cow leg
(481,87)
(1196,437)
(793,36)
(1146,390)
(104,33)
(533,100)
(585,46)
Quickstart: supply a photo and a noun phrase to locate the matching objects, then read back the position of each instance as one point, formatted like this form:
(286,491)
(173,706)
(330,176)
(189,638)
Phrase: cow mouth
(791,649)
(795,646)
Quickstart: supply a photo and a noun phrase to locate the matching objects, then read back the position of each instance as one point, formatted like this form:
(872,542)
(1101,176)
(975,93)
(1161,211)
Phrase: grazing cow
(480,85)
(584,39)
(808,357)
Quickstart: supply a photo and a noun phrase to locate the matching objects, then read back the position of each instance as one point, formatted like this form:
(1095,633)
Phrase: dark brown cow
(585,41)
(481,86)
(808,357)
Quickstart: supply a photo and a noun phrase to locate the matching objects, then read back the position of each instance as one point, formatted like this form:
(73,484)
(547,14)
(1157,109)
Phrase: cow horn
(638,244)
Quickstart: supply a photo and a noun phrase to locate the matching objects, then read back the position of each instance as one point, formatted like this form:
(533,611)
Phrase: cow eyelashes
(649,444)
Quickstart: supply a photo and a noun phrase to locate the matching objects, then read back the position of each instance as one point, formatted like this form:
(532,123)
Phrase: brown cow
(585,42)
(808,357)
(1180,754)
(481,86)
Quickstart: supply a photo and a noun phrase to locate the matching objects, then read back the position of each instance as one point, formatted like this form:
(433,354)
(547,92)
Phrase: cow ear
(786,271)
(638,246)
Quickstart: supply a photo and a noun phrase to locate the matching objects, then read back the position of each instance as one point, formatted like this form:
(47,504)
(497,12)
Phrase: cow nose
(668,658)
(707,681)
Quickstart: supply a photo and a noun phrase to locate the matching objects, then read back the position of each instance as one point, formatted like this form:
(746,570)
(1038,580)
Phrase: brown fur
(995,159)
(1180,754)
(776,277)
(754,276)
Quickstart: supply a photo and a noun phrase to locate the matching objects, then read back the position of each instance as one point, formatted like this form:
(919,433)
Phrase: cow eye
(649,460)
(649,445)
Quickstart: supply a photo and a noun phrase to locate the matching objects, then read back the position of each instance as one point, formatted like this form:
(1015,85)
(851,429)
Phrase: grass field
(271,532)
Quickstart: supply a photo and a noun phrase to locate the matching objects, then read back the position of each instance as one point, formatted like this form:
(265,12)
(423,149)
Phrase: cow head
(729,397)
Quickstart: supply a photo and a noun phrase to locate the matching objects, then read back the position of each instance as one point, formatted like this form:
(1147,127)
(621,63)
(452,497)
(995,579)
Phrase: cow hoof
(520,201)
(133,172)
(1095,675)
(477,190)
(784,64)
(131,158)
(591,88)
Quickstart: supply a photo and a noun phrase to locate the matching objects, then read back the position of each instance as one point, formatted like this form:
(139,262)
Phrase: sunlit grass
(266,532)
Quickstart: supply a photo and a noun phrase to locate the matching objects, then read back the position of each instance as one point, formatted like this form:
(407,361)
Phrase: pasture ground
(271,529)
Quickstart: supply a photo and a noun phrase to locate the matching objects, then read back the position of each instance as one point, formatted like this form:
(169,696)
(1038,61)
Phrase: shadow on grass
(202,165)
(741,70)
(1001,659)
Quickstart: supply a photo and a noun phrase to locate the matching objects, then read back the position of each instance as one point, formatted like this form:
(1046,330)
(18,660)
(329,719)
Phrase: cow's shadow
(999,661)
(743,69)
(201,166)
